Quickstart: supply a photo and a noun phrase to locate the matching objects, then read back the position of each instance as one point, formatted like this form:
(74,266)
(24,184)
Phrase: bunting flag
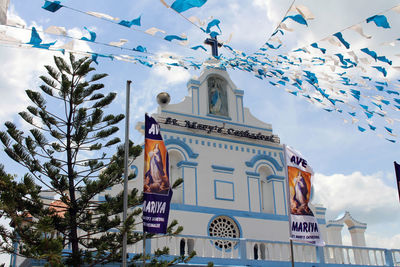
(303,225)
(183,5)
(360,83)
(397,170)
(52,6)
(129,24)
(157,189)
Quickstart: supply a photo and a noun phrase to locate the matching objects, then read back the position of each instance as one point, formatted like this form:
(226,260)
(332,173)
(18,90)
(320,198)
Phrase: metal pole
(291,252)
(288,204)
(144,249)
(124,241)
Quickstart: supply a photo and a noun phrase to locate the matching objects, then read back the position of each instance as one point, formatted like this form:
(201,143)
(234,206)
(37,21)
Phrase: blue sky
(354,170)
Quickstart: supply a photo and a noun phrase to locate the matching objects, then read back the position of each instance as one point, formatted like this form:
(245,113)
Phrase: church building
(233,201)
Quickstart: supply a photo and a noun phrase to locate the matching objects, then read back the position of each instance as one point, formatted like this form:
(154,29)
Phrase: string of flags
(334,73)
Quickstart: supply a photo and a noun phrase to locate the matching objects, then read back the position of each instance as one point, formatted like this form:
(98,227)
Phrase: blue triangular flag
(52,6)
(340,37)
(183,5)
(380,21)
(128,23)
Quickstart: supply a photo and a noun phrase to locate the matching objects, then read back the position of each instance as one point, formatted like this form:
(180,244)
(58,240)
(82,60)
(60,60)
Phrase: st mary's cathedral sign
(221,130)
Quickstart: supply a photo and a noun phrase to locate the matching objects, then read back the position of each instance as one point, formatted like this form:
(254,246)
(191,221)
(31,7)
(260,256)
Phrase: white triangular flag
(357,28)
(153,31)
(285,27)
(68,46)
(332,40)
(396,9)
(56,30)
(305,12)
(196,20)
(102,16)
(120,43)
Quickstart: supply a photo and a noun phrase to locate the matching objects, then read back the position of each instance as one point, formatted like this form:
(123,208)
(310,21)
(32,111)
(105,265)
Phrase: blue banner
(156,185)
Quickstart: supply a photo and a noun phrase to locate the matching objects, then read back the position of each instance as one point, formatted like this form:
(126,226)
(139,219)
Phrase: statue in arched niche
(217,97)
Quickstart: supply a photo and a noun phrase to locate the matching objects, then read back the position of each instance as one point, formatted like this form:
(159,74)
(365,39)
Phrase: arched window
(175,173)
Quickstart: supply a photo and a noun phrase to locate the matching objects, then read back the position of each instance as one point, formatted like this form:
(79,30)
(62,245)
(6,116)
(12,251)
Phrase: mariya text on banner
(156,185)
(303,224)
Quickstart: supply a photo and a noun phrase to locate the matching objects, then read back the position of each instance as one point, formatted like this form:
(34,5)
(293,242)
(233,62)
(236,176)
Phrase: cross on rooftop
(214,45)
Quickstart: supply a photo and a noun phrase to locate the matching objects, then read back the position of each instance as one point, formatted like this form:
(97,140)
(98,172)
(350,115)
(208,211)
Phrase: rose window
(223,226)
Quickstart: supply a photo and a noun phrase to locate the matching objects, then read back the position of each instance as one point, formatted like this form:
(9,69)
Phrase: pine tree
(66,152)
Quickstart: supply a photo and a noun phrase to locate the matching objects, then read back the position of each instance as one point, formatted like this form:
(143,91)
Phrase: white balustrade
(228,248)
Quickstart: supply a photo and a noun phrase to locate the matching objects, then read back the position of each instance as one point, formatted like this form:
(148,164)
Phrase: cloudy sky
(354,170)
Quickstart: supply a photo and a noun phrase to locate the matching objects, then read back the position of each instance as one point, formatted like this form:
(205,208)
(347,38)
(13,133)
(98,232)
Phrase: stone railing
(251,252)
(254,252)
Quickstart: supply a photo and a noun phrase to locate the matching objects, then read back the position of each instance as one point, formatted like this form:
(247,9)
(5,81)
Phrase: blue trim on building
(196,187)
(273,195)
(183,186)
(222,168)
(193,81)
(226,122)
(184,163)
(282,158)
(216,193)
(264,157)
(285,197)
(183,145)
(274,177)
(252,174)
(135,170)
(238,92)
(234,213)
(357,227)
(334,225)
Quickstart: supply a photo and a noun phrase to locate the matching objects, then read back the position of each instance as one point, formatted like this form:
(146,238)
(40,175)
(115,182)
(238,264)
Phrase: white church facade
(233,200)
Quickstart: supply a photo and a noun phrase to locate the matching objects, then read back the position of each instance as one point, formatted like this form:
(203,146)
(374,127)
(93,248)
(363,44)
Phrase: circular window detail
(223,226)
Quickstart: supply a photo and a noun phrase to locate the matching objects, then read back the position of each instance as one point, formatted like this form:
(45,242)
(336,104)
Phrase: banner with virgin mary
(303,224)
(156,185)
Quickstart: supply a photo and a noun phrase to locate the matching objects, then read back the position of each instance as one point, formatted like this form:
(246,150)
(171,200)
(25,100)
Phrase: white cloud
(366,195)
(376,239)
(172,76)
(22,69)
(368,198)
